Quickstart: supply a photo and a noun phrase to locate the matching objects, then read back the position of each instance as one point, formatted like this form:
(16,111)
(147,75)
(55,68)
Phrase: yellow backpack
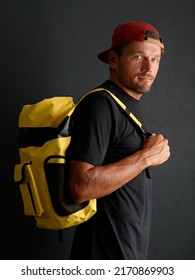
(44,136)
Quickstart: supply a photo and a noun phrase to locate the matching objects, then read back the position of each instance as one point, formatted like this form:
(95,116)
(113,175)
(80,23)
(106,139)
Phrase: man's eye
(156,60)
(138,57)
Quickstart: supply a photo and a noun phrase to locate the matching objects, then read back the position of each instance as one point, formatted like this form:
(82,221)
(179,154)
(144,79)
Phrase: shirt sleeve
(91,129)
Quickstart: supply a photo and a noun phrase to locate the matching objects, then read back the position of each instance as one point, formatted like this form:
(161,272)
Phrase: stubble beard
(143,88)
(140,89)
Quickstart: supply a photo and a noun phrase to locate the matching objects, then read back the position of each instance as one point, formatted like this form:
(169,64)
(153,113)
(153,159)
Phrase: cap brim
(103,56)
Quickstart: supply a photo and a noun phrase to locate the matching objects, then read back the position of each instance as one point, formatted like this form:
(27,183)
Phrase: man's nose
(147,65)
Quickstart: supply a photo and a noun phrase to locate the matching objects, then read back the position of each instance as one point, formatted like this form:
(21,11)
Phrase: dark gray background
(49,47)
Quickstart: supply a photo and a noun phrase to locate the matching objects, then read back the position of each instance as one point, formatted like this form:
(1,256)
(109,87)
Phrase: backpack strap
(132,117)
(124,107)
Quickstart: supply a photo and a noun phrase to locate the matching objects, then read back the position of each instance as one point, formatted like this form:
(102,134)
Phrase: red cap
(133,31)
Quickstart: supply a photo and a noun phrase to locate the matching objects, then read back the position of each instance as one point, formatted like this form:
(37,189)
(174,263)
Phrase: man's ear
(112,59)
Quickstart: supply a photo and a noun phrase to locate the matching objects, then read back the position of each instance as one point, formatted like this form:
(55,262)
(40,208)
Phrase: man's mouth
(146,77)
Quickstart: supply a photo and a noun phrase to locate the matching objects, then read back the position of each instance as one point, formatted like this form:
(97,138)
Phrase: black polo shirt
(102,133)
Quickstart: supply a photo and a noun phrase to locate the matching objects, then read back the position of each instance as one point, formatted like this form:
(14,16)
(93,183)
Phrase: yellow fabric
(30,173)
(57,108)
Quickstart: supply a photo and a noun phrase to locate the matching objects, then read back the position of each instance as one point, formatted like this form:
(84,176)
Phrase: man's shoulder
(97,98)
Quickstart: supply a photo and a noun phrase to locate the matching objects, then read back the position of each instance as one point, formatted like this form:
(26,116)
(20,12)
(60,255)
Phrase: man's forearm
(88,181)
(99,181)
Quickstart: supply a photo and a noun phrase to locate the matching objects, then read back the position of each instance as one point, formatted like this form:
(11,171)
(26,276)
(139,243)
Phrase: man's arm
(88,181)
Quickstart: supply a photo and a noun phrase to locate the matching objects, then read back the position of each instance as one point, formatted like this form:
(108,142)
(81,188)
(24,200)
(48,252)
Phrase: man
(109,158)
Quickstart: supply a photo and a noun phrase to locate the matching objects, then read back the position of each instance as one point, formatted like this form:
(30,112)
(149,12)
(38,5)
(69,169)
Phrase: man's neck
(132,93)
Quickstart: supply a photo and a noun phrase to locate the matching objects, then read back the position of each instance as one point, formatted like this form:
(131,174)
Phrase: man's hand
(157,148)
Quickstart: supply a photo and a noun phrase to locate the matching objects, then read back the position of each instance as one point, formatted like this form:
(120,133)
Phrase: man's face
(135,69)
